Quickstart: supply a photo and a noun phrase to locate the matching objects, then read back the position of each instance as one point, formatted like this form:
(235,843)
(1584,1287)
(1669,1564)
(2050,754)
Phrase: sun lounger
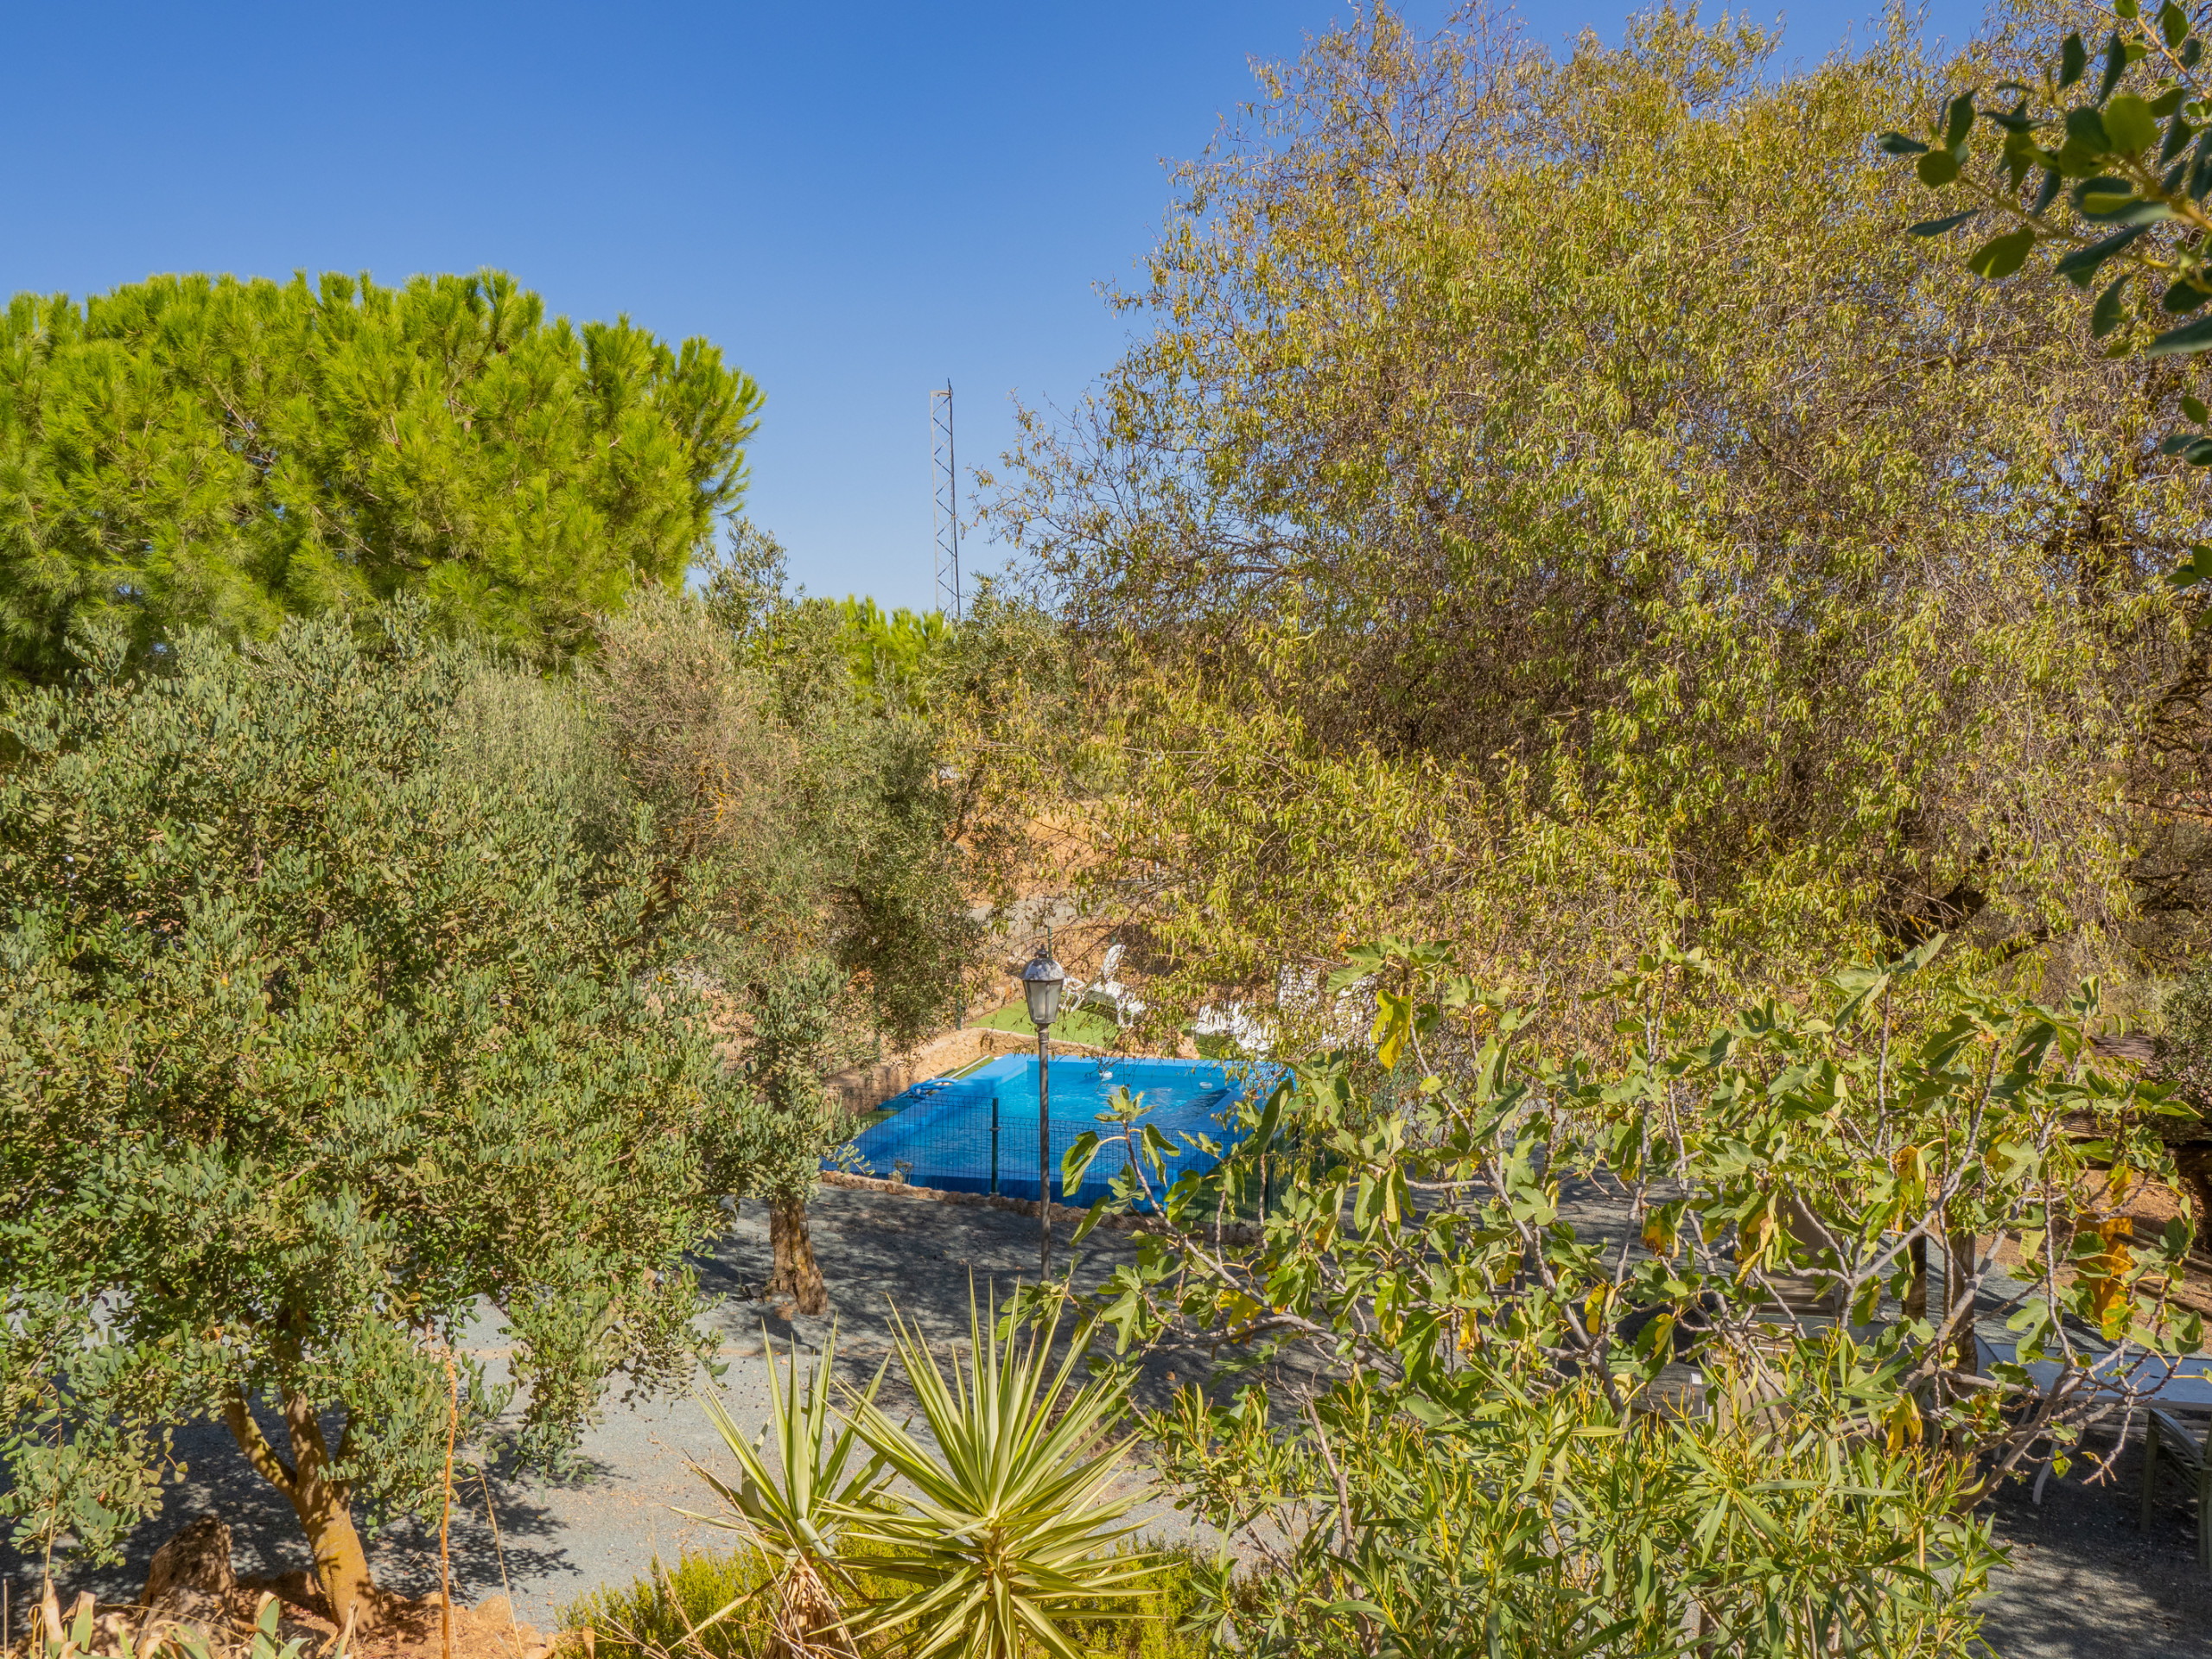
(1108,992)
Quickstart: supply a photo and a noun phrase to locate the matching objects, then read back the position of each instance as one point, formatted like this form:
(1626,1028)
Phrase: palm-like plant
(793,1515)
(1009,1522)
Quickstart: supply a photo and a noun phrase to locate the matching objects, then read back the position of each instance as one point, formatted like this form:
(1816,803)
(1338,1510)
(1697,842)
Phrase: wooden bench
(2187,1447)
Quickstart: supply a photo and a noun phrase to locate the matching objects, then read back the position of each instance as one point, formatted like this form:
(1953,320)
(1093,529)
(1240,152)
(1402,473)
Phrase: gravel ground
(559,1539)
(2083,1581)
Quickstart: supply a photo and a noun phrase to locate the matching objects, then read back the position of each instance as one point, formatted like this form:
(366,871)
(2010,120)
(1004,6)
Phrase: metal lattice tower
(947,502)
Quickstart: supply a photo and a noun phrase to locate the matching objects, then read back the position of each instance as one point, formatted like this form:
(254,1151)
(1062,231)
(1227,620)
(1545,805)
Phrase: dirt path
(2086,1581)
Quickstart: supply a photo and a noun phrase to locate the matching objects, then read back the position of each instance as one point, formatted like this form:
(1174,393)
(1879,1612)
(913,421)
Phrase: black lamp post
(1040,983)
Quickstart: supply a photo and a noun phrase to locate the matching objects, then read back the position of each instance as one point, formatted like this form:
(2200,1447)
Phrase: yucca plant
(1008,1523)
(792,1513)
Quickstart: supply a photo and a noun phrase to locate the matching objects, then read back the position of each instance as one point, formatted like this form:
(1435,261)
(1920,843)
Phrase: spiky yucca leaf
(792,1514)
(1008,1523)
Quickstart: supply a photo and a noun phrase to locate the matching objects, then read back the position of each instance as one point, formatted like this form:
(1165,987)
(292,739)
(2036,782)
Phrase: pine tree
(197,449)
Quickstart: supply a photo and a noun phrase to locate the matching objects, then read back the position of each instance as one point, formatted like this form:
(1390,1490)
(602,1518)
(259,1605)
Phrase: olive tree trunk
(341,1566)
(796,1274)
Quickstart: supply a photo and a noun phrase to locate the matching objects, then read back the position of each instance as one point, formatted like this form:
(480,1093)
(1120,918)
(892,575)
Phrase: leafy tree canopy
(1747,1411)
(806,817)
(1553,477)
(198,450)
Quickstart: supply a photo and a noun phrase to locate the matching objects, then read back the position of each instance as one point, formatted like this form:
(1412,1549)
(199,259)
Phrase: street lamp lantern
(1040,983)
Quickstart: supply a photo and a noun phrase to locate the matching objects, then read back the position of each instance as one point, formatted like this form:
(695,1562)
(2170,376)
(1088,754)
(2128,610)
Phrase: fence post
(995,1143)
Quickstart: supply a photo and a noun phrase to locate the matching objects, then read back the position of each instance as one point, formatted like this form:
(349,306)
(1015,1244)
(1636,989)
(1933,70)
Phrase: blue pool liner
(939,1132)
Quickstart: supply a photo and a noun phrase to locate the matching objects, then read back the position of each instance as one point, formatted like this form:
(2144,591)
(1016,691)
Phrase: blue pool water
(940,1132)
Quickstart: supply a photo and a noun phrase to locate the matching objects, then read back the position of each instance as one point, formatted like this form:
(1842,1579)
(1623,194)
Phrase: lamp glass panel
(1044,1000)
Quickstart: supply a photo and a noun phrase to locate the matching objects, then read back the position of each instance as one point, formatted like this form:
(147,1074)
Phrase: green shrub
(655,1616)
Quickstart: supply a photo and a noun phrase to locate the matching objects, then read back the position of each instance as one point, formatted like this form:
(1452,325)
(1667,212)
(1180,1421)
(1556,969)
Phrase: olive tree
(321,1028)
(805,824)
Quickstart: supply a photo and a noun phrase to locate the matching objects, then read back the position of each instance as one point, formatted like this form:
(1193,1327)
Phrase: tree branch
(238,1413)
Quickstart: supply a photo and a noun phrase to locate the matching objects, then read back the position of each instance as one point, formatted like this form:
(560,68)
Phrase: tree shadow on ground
(2085,1578)
(266,1538)
(922,1259)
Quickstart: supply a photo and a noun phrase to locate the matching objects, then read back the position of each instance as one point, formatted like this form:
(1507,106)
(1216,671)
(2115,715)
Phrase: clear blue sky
(856,202)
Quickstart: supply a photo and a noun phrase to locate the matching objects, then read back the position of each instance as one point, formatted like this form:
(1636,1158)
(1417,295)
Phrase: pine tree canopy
(206,450)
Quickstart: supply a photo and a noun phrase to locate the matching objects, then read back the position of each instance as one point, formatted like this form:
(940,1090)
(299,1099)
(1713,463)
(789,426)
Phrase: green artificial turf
(1077,1025)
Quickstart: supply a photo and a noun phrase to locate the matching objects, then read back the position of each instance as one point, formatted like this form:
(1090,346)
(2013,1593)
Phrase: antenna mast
(947,501)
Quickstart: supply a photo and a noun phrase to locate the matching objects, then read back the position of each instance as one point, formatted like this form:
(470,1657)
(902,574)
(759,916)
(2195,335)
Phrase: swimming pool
(940,1133)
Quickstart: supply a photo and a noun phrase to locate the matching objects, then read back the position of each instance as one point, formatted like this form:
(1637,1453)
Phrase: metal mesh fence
(979,1134)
